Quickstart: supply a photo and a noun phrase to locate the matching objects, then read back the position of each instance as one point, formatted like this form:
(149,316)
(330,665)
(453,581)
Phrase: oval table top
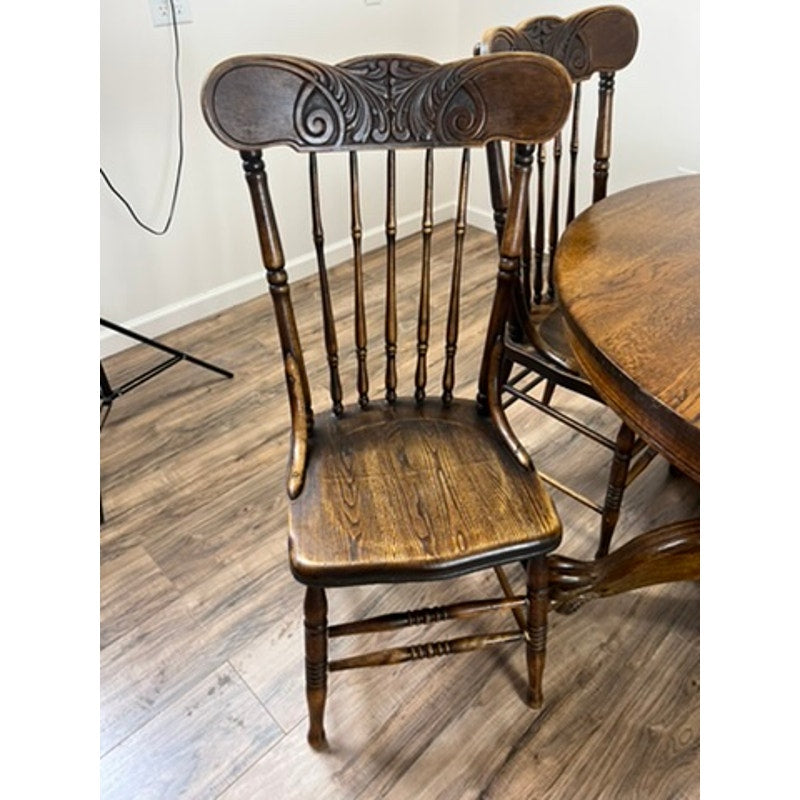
(627,272)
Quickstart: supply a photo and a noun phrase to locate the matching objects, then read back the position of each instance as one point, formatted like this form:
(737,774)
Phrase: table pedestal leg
(666,554)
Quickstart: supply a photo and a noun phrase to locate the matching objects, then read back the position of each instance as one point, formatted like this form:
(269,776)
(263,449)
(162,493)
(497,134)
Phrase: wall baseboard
(481,218)
(192,309)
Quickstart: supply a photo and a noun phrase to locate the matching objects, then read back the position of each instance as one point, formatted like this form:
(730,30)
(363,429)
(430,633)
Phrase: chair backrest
(598,41)
(380,102)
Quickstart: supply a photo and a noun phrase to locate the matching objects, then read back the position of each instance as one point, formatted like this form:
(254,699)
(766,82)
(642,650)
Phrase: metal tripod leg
(108,394)
(178,355)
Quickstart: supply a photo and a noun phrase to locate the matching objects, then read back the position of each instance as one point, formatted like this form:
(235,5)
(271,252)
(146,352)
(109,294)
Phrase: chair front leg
(547,395)
(536,633)
(316,634)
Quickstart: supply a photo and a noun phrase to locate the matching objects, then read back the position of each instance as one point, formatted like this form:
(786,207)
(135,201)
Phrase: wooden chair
(599,41)
(408,488)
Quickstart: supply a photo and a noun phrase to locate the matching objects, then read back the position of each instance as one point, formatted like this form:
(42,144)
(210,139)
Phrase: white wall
(209,258)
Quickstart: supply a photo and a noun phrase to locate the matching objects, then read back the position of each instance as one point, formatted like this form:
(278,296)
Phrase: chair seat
(553,342)
(539,357)
(414,493)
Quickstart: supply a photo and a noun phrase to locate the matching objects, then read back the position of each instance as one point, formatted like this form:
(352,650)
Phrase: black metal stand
(108,394)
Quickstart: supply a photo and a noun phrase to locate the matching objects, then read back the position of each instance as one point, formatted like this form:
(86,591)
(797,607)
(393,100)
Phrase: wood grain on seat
(441,496)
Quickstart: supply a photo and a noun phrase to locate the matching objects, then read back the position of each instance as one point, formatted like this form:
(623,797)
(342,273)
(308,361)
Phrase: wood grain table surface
(628,275)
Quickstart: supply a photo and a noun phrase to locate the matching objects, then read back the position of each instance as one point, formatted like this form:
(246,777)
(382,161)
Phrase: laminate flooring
(201,658)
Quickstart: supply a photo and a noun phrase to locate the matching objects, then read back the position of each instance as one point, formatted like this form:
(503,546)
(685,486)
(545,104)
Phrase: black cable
(114,190)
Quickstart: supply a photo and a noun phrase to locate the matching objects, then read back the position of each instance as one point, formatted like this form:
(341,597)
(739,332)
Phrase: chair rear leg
(617,478)
(316,632)
(547,395)
(536,633)
(505,370)
(675,472)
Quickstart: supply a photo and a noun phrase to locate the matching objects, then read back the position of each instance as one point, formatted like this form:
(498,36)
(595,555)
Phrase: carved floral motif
(551,36)
(599,39)
(383,101)
(390,99)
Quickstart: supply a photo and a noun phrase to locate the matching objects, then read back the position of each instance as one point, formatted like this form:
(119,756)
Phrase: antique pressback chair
(596,42)
(406,488)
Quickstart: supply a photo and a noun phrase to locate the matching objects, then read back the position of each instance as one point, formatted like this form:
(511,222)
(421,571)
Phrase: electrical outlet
(161,12)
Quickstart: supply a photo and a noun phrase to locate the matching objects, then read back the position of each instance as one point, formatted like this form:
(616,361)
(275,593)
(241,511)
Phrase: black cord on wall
(179,169)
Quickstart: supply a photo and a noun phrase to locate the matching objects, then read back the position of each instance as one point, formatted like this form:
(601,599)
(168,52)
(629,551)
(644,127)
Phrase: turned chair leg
(676,472)
(626,439)
(316,629)
(547,395)
(536,633)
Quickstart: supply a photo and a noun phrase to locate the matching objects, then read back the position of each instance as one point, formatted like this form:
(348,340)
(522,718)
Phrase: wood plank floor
(201,633)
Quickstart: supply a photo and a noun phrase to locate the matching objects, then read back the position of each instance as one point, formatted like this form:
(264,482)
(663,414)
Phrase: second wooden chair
(597,42)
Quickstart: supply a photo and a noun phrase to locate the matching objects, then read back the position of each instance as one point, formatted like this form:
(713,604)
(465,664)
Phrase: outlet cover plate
(162,15)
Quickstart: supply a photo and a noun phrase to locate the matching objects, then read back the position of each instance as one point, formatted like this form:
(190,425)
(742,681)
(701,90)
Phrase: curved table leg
(666,554)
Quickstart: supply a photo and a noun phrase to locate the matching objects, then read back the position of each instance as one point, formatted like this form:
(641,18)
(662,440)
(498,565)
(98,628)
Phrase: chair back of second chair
(598,42)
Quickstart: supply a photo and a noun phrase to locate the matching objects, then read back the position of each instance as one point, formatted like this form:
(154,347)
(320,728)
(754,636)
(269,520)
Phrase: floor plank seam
(256,697)
(202,677)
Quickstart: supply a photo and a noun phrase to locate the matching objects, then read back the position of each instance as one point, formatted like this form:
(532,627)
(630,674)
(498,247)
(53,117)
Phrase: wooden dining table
(627,272)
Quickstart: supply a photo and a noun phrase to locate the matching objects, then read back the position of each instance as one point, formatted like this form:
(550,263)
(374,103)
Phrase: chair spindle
(448,380)
(602,142)
(391,287)
(423,321)
(329,327)
(498,187)
(360,313)
(574,145)
(555,199)
(538,255)
(526,259)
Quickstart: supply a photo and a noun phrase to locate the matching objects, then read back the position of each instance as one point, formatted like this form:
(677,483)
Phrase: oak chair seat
(442,495)
(552,342)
